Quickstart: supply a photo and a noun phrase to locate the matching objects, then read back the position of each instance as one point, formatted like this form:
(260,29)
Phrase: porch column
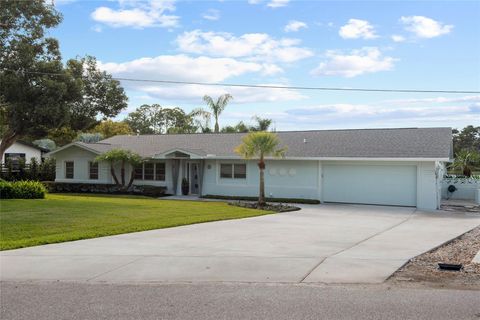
(200,176)
(175,170)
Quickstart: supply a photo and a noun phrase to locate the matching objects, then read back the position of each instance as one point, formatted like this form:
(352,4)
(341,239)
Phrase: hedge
(77,187)
(22,190)
(284,200)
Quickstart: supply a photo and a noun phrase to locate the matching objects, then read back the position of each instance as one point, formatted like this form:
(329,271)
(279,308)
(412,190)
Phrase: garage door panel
(370,184)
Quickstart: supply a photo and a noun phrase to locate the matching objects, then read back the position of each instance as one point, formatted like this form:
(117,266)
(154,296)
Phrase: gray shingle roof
(358,143)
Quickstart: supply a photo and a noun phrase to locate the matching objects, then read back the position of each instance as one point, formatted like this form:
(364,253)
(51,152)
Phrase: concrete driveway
(321,243)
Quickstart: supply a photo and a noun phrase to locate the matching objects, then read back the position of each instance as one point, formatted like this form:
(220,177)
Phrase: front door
(194,178)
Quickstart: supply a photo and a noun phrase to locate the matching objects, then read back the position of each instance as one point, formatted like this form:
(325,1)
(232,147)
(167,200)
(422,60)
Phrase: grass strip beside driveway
(67,217)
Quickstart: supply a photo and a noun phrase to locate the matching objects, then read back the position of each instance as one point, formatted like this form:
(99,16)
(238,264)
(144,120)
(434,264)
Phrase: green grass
(67,217)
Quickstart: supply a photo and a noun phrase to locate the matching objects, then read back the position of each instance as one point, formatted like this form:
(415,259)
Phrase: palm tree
(260,145)
(466,160)
(201,118)
(263,124)
(217,107)
(124,157)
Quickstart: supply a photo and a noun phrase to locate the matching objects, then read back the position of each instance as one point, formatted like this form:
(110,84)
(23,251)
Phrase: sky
(425,45)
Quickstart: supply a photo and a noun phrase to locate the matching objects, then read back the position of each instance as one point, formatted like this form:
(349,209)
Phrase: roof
(418,143)
(31,145)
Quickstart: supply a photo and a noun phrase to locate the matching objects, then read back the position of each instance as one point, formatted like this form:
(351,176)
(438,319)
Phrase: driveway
(321,243)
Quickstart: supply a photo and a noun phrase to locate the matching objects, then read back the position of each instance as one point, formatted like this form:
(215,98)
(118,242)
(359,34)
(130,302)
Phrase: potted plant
(185,186)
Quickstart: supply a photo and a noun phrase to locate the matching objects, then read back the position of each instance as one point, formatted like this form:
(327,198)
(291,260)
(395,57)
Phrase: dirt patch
(424,269)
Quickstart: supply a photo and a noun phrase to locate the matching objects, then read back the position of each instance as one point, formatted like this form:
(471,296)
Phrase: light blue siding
(283,179)
(370,184)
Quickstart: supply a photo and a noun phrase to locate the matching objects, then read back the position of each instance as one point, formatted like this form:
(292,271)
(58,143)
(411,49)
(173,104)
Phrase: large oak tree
(38,92)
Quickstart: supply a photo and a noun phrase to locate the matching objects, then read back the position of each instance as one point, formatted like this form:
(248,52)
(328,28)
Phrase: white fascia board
(72,144)
(340,158)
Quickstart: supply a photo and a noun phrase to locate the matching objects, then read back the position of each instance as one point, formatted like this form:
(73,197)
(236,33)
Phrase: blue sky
(370,44)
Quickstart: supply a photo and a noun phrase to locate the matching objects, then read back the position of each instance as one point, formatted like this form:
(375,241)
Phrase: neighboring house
(23,150)
(372,166)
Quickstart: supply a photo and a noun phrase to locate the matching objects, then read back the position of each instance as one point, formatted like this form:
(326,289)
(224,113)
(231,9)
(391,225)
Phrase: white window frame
(232,164)
(73,173)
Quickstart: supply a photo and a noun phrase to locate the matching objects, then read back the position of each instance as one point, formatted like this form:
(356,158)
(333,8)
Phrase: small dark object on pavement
(450,267)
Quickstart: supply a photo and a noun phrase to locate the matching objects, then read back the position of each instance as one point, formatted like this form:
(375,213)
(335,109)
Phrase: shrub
(22,190)
(6,190)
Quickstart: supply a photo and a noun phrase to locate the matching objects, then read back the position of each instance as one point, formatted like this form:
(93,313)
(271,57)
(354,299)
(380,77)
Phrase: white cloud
(463,99)
(294,26)
(211,14)
(254,1)
(194,69)
(194,93)
(356,28)
(398,38)
(278,3)
(138,14)
(254,46)
(357,62)
(184,68)
(424,27)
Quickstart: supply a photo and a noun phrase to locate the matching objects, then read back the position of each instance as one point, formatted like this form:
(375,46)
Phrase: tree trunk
(132,177)
(217,128)
(122,173)
(112,171)
(8,139)
(261,195)
(467,172)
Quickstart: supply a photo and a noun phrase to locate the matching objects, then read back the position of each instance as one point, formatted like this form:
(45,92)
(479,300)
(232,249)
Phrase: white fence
(466,188)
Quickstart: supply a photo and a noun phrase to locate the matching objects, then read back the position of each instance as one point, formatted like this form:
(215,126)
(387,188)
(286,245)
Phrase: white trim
(163,154)
(72,144)
(337,158)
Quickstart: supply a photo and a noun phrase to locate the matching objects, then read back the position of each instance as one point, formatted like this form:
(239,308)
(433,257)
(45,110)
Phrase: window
(15,159)
(93,170)
(139,171)
(239,171)
(148,169)
(233,171)
(69,169)
(226,171)
(160,171)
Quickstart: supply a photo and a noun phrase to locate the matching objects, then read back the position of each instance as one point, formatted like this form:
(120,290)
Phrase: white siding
(30,152)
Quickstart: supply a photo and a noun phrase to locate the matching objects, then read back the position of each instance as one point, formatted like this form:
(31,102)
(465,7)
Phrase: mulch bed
(424,268)
(276,207)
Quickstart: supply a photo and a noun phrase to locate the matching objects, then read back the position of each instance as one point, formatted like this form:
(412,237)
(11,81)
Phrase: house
(401,167)
(25,151)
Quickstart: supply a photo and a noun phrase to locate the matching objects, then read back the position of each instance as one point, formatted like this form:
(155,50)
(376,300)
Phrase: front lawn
(66,217)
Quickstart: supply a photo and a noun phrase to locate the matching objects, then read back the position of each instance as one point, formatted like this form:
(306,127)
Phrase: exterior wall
(283,179)
(81,158)
(427,190)
(30,152)
(303,179)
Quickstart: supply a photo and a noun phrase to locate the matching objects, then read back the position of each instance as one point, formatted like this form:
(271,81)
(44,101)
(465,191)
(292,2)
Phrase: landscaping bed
(424,268)
(251,199)
(275,207)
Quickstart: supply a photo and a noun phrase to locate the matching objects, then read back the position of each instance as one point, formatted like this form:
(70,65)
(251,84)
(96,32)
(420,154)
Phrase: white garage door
(370,184)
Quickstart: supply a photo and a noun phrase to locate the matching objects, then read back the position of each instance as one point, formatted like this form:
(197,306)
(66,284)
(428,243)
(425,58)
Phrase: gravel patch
(275,207)
(424,269)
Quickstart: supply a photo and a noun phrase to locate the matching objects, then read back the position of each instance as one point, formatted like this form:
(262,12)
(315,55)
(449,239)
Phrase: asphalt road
(73,300)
